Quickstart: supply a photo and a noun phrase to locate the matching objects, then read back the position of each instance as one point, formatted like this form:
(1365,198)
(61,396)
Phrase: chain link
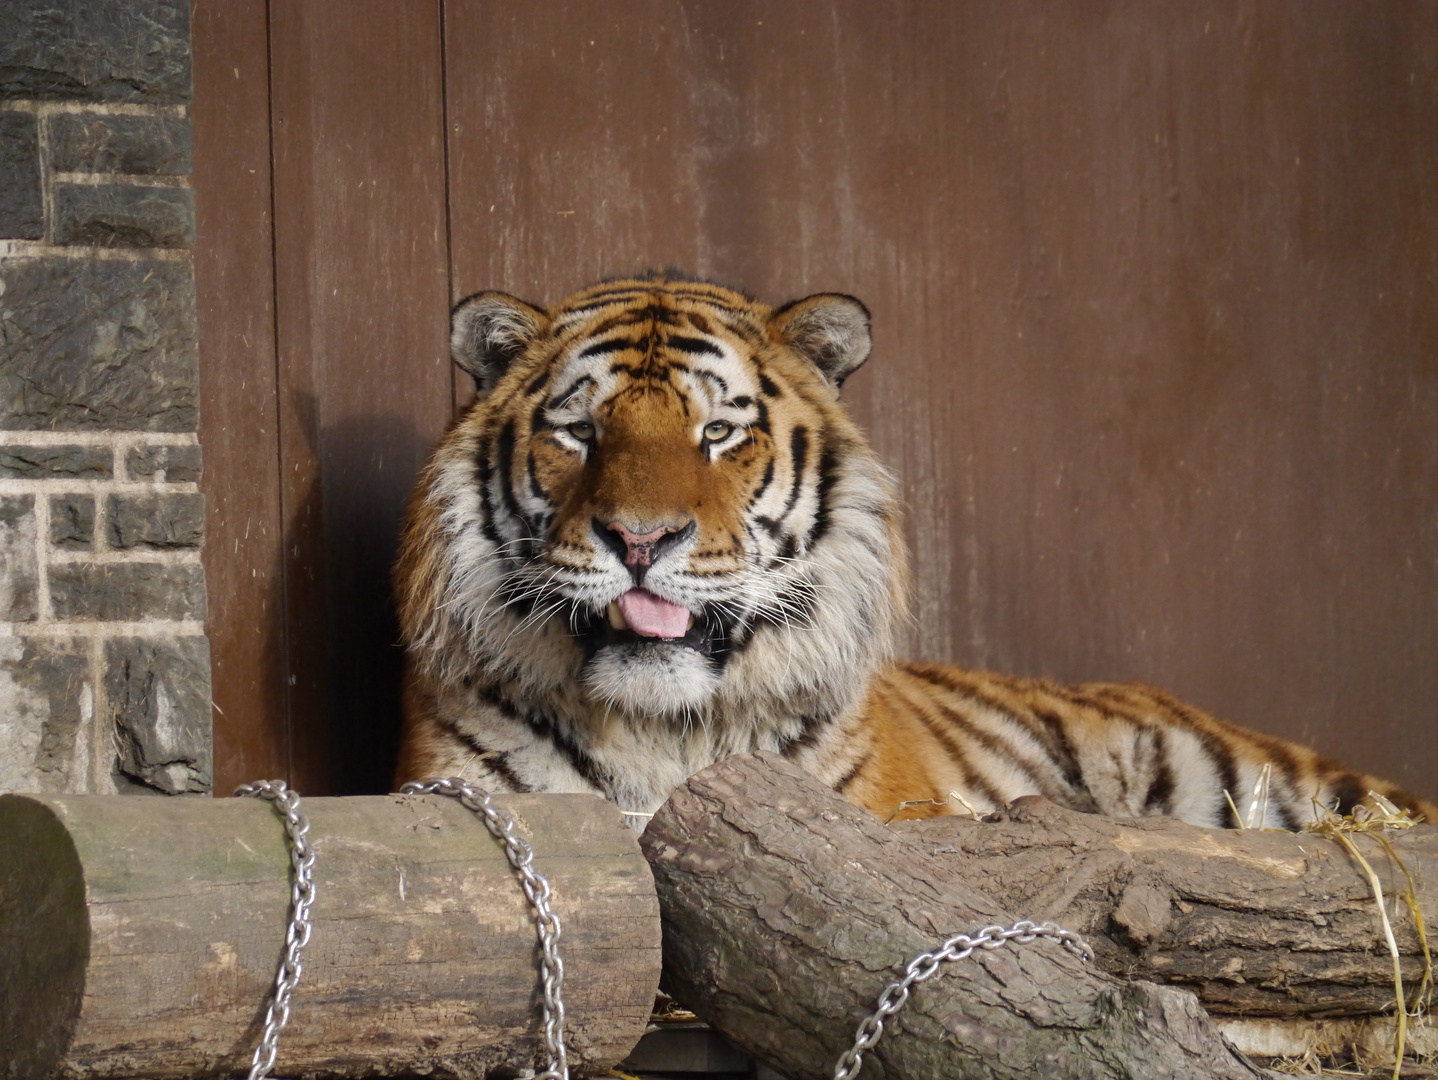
(297,936)
(536,889)
(923,966)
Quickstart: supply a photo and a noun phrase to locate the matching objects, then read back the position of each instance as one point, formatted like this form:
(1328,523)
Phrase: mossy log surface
(787,910)
(140,937)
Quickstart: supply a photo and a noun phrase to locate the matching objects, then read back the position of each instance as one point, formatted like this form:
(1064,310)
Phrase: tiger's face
(657,508)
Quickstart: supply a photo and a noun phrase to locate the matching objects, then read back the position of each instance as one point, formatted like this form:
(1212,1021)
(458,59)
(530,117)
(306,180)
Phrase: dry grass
(1374,823)
(1343,828)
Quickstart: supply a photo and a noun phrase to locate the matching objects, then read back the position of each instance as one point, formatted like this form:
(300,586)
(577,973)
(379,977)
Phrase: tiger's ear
(830,330)
(488,330)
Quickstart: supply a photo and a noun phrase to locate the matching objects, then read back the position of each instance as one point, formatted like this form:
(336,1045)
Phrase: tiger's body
(659,539)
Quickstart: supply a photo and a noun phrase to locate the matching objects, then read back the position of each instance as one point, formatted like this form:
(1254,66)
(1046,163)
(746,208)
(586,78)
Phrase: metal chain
(958,947)
(536,889)
(297,936)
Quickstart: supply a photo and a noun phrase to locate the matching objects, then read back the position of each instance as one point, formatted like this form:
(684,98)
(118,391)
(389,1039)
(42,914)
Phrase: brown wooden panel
(570,142)
(364,384)
(235,285)
(1154,295)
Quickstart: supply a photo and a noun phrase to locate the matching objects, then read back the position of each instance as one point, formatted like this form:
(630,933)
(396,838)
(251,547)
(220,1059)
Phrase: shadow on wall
(342,657)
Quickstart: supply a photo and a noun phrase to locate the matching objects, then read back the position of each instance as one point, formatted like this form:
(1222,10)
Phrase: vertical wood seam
(283,566)
(448,210)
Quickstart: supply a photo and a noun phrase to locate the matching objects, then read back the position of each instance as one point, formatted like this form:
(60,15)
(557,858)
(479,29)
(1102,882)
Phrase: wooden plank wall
(1155,292)
(336,410)
(235,286)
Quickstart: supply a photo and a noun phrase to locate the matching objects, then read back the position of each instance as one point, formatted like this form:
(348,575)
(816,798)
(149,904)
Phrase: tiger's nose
(639,551)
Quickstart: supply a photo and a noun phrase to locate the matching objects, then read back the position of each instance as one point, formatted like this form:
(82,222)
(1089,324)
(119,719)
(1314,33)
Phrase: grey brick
(124,215)
(19,569)
(45,462)
(101,143)
(178,463)
(105,344)
(155,520)
(159,695)
(130,591)
(98,50)
(72,521)
(22,210)
(46,696)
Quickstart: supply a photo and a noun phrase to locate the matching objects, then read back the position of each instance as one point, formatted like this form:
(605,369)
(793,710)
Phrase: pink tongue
(651,616)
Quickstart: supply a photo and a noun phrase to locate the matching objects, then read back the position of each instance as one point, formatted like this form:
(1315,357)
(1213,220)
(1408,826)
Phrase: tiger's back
(658,538)
(974,741)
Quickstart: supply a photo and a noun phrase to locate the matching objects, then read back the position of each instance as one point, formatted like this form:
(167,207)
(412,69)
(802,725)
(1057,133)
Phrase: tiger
(658,538)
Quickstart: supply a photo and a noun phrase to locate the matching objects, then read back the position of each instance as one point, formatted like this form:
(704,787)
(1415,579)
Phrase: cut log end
(45,946)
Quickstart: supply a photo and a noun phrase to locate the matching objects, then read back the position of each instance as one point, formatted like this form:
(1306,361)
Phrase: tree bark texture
(1256,923)
(141,936)
(787,910)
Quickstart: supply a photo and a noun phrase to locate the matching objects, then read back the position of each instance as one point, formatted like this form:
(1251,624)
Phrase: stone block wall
(104,664)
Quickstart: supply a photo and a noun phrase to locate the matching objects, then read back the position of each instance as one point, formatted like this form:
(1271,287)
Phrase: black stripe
(702,298)
(640,372)
(506,471)
(853,774)
(537,384)
(765,481)
(1217,749)
(535,488)
(499,764)
(994,744)
(595,305)
(560,399)
(486,508)
(700,373)
(767,386)
(808,737)
(972,779)
(1048,727)
(1279,807)
(624,288)
(1159,798)
(1061,751)
(762,423)
(581,762)
(799,453)
(1349,792)
(495,761)
(599,348)
(828,477)
(693,346)
(1228,774)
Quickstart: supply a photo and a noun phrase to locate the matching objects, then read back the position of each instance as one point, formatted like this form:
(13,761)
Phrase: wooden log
(787,910)
(141,936)
(1256,923)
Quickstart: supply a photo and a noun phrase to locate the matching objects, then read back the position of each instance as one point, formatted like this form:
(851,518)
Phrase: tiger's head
(657,510)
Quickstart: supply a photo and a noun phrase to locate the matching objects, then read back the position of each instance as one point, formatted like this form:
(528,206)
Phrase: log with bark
(787,911)
(1255,923)
(141,936)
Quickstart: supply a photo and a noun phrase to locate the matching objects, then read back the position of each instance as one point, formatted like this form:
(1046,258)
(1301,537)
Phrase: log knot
(1144,912)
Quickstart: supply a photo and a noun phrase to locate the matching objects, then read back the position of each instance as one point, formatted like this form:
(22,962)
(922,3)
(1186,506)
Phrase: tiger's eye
(717,430)
(582,430)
